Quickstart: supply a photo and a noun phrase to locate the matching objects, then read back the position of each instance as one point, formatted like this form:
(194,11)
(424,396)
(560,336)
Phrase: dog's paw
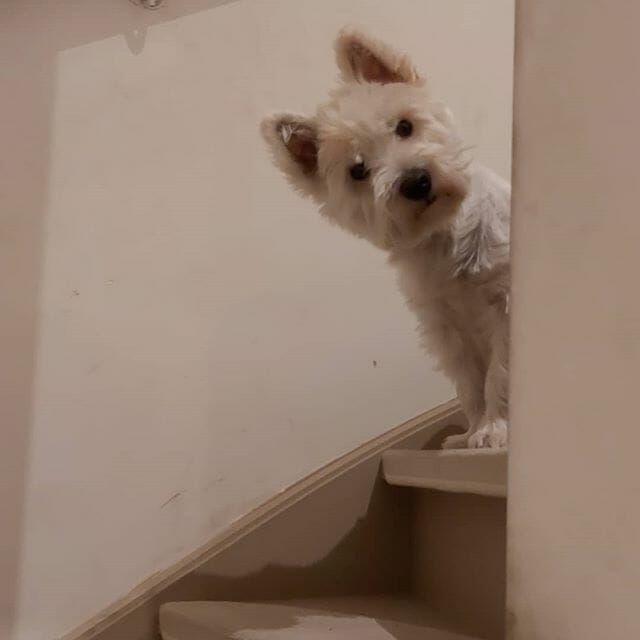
(492,435)
(456,441)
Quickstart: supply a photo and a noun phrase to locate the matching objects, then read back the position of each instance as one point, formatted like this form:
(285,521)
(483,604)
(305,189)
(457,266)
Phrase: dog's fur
(451,249)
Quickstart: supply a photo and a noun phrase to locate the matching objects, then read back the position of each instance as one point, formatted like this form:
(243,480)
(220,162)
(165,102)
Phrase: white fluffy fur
(451,252)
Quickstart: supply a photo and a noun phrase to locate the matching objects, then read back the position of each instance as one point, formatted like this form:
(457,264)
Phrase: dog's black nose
(416,185)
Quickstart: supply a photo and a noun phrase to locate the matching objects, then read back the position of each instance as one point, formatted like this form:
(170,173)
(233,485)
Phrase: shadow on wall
(373,558)
(351,537)
(27,87)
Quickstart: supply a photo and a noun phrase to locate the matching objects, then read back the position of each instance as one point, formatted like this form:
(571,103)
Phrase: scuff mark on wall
(169,500)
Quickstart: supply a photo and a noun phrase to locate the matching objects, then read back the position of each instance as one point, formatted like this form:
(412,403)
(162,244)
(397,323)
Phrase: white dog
(384,161)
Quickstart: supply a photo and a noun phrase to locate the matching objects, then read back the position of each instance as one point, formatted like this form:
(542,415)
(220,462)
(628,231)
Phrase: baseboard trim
(435,418)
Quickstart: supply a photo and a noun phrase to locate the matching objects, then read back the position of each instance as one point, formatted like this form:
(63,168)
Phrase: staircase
(451,588)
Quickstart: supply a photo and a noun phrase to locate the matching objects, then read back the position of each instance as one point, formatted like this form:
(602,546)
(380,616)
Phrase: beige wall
(181,336)
(574,528)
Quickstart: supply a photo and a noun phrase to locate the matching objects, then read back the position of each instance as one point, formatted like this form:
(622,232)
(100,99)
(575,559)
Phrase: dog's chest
(452,309)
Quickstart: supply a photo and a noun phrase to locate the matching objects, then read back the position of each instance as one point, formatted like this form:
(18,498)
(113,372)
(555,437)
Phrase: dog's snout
(416,185)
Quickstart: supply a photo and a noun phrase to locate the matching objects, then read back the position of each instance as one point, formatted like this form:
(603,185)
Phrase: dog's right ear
(293,141)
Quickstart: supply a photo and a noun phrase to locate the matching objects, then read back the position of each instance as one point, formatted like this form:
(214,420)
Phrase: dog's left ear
(364,59)
(293,141)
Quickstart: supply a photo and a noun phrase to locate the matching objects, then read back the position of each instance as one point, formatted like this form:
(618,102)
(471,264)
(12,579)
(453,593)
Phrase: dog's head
(381,159)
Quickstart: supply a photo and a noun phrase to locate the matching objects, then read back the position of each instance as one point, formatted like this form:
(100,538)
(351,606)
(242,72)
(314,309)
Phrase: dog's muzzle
(416,185)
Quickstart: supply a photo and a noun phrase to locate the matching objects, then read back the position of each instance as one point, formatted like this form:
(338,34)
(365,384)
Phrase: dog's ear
(293,141)
(364,59)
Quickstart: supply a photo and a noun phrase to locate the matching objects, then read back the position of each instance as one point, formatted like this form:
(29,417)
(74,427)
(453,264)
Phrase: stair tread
(373,618)
(479,471)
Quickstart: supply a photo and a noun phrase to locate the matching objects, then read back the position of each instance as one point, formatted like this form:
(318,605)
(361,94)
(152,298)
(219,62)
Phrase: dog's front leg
(492,432)
(469,381)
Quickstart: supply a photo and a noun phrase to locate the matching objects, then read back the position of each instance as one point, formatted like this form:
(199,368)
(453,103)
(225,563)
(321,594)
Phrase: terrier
(385,162)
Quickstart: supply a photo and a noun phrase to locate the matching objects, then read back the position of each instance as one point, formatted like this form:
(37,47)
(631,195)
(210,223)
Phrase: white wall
(574,503)
(181,335)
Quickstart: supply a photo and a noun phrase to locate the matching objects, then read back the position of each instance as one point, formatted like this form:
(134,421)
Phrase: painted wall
(574,566)
(181,336)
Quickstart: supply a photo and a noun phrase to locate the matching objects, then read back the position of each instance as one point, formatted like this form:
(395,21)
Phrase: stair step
(479,471)
(312,619)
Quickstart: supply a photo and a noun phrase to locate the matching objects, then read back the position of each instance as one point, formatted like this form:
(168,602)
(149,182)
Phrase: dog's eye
(404,128)
(359,171)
